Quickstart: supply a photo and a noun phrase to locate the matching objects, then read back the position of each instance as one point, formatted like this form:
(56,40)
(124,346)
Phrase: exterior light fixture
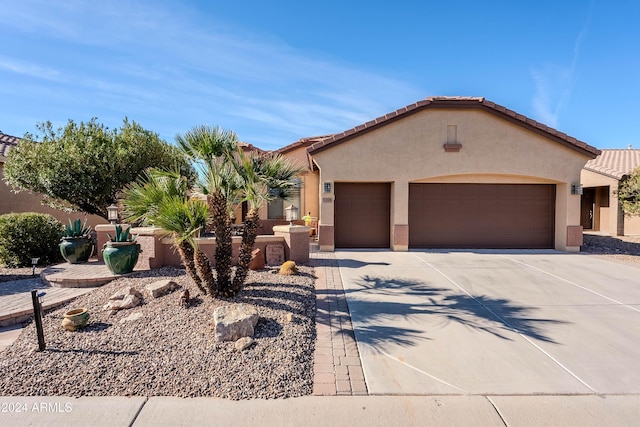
(112,214)
(291,213)
(34,263)
(576,189)
(326,186)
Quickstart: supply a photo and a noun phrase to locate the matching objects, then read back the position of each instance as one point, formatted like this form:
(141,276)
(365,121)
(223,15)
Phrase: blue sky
(277,71)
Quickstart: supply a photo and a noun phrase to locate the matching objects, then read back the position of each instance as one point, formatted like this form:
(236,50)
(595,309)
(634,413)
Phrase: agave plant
(76,229)
(122,235)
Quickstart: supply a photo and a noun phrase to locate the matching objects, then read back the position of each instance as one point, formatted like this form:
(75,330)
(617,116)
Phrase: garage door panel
(362,212)
(481,215)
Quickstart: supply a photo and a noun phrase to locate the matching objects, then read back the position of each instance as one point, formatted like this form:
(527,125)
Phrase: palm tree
(161,199)
(260,173)
(210,149)
(227,177)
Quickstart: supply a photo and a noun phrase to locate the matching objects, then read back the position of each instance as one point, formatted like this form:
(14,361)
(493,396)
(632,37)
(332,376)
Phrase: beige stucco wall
(30,202)
(493,151)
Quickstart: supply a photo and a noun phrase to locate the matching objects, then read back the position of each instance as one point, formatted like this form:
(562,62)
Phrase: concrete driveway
(494,322)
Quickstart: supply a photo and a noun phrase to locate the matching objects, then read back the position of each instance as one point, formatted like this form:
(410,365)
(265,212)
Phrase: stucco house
(26,201)
(600,210)
(445,172)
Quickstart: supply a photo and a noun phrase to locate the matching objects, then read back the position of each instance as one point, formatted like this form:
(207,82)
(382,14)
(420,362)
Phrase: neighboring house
(445,172)
(25,201)
(600,177)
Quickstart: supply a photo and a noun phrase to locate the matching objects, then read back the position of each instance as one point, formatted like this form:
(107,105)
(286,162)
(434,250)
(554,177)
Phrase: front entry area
(362,212)
(508,216)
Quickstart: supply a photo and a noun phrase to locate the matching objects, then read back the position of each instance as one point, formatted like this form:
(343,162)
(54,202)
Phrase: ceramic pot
(76,250)
(75,319)
(121,257)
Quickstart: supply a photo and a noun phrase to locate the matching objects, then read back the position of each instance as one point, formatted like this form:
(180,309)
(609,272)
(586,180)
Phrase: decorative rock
(125,298)
(185,300)
(244,343)
(232,322)
(132,317)
(161,287)
(122,293)
(289,317)
(288,268)
(257,260)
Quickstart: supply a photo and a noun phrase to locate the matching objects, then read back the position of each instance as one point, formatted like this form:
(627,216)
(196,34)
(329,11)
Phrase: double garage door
(448,215)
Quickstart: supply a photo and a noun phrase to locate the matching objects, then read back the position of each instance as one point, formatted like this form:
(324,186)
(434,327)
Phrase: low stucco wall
(158,250)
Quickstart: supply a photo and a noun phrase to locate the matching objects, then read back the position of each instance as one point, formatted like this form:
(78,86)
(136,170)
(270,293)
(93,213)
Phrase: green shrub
(27,235)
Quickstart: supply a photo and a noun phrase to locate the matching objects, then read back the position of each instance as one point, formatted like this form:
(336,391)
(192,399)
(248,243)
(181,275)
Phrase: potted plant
(76,245)
(121,252)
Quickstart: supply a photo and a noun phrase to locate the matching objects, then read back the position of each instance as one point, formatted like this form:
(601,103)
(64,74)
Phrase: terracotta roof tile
(302,142)
(6,143)
(615,163)
(246,147)
(458,102)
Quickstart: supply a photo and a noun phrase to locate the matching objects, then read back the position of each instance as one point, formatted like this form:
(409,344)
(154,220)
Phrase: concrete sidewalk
(353,411)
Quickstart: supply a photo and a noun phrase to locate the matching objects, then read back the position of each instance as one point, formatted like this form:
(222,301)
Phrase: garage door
(362,215)
(481,215)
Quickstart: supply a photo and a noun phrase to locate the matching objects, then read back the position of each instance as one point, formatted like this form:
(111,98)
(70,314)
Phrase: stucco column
(296,239)
(400,216)
(568,229)
(326,239)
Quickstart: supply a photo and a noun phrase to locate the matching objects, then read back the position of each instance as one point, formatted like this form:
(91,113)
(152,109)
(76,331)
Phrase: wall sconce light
(326,187)
(112,214)
(291,214)
(576,189)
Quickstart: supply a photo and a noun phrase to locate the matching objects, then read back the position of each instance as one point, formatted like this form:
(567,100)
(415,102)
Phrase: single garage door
(481,216)
(362,212)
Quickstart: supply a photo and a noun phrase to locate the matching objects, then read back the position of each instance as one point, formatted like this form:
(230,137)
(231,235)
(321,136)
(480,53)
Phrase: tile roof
(246,147)
(615,163)
(303,142)
(6,142)
(458,102)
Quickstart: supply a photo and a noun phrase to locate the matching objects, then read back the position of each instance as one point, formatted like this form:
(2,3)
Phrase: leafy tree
(629,193)
(228,177)
(83,167)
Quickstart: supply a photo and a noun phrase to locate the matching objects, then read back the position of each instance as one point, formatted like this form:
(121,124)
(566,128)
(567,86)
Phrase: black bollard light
(37,317)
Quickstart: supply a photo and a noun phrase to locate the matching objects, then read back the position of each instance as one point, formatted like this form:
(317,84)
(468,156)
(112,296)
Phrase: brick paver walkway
(337,367)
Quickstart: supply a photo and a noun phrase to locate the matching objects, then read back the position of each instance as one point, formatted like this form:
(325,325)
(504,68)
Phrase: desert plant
(76,229)
(29,235)
(288,268)
(122,236)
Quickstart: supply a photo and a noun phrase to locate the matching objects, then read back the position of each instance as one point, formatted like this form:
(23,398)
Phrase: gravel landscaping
(619,248)
(170,350)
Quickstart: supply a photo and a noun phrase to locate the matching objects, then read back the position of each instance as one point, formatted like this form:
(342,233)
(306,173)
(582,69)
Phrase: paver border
(337,368)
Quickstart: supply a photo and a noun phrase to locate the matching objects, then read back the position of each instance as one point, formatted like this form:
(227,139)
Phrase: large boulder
(232,322)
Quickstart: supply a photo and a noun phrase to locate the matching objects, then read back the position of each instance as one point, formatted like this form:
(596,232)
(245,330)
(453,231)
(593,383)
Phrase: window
(277,206)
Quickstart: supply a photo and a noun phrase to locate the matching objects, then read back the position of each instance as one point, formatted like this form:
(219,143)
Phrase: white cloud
(161,62)
(554,84)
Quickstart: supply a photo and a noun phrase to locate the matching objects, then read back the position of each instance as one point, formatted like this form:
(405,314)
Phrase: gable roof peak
(458,102)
